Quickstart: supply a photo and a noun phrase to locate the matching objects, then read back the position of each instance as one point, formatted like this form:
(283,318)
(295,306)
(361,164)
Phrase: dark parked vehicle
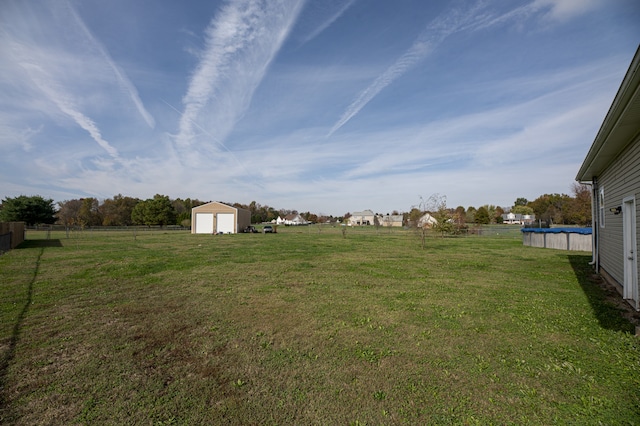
(250,230)
(268,229)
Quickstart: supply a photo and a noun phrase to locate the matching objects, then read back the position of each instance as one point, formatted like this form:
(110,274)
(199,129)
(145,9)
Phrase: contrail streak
(329,21)
(240,44)
(122,79)
(214,139)
(456,20)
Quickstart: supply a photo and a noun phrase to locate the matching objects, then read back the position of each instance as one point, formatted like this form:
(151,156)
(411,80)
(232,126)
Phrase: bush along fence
(11,235)
(578,239)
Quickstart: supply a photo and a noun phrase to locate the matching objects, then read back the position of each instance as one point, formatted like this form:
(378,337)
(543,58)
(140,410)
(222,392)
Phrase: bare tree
(436,205)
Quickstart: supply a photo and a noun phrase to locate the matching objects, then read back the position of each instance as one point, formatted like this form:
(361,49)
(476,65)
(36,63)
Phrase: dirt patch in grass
(613,298)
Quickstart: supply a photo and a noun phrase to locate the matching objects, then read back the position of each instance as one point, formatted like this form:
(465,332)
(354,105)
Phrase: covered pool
(578,239)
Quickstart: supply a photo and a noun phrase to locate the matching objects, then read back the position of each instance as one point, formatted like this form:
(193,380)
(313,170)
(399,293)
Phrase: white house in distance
(366,217)
(291,219)
(612,168)
(217,218)
(516,218)
(427,221)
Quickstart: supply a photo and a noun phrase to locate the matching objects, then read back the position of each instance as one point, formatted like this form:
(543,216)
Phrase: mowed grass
(308,327)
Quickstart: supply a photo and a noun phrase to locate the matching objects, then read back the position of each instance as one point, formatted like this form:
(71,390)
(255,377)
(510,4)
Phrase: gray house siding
(612,167)
(620,180)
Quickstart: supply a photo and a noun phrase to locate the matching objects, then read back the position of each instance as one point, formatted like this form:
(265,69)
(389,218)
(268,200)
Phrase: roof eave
(606,145)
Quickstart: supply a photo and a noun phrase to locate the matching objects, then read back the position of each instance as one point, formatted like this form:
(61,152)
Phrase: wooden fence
(11,235)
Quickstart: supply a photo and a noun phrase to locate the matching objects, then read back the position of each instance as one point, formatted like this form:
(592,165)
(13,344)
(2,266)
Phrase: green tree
(117,211)
(459,219)
(521,202)
(260,213)
(139,213)
(182,209)
(89,214)
(550,207)
(520,209)
(471,214)
(271,214)
(154,211)
(445,223)
(254,208)
(491,211)
(482,216)
(32,210)
(448,222)
(310,217)
(414,215)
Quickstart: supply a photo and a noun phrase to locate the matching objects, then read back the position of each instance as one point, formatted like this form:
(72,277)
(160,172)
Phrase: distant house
(294,219)
(520,219)
(612,167)
(391,220)
(219,218)
(427,221)
(366,217)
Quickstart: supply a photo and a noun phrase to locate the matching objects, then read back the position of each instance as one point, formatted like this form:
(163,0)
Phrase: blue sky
(323,106)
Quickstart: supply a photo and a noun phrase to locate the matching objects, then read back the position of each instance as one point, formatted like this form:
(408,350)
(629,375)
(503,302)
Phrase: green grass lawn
(307,327)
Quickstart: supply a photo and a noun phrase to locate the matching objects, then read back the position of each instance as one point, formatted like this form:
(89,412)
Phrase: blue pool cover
(584,231)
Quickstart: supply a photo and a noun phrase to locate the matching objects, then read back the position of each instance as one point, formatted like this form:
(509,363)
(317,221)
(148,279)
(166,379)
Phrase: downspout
(594,223)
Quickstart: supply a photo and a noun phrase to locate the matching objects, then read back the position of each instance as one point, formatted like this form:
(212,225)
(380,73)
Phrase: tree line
(553,209)
(125,211)
(161,210)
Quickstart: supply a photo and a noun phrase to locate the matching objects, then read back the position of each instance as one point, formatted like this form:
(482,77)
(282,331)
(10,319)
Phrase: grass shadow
(10,352)
(40,243)
(612,312)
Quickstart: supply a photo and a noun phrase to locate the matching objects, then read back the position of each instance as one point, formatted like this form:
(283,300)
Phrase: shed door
(225,223)
(204,223)
(630,250)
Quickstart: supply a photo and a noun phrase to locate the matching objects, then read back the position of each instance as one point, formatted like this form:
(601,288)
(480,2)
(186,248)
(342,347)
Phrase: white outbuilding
(219,218)
(427,221)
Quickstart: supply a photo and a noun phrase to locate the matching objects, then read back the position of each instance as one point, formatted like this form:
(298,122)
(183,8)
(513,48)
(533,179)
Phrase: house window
(601,206)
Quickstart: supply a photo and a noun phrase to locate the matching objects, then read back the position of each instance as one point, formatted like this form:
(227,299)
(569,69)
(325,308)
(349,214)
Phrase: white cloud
(120,75)
(419,50)
(470,18)
(64,101)
(342,7)
(517,126)
(562,10)
(10,135)
(241,42)
(438,30)
(65,74)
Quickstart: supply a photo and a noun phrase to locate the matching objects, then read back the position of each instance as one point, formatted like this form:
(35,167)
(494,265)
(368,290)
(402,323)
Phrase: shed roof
(216,204)
(620,126)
